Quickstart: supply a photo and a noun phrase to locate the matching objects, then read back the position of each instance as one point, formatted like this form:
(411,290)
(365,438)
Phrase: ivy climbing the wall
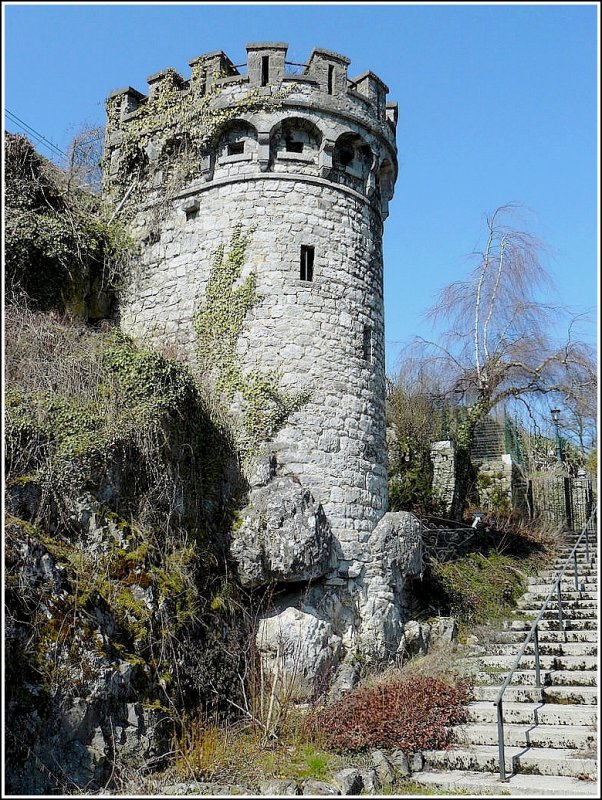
(180,127)
(218,324)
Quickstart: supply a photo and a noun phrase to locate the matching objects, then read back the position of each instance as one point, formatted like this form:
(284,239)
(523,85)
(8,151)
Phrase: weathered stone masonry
(310,177)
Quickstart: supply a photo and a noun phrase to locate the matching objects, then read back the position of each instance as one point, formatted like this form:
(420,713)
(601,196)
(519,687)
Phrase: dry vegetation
(408,714)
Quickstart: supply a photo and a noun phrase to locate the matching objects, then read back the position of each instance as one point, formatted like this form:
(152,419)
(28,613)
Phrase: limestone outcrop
(283,536)
(395,547)
(299,650)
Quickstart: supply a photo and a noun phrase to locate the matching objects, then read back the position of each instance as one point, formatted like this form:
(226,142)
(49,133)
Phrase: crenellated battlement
(325,72)
(268,115)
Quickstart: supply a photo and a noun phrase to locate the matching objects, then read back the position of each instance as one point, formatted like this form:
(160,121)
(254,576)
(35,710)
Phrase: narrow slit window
(306,272)
(330,78)
(265,70)
(367,343)
(236,148)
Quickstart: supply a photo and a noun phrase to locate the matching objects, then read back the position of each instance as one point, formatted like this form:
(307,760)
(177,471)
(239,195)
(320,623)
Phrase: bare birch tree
(498,343)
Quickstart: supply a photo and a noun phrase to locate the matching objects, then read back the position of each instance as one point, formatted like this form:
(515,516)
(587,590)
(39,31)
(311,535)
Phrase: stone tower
(275,179)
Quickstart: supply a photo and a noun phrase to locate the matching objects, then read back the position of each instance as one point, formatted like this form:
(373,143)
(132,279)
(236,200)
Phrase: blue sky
(498,103)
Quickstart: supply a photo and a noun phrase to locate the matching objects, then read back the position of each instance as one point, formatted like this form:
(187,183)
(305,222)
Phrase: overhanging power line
(40,138)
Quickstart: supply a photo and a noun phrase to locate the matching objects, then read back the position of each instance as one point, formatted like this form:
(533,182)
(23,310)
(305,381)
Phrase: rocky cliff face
(119,609)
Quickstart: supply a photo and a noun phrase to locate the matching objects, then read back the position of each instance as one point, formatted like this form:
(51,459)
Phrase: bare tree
(414,421)
(84,157)
(498,343)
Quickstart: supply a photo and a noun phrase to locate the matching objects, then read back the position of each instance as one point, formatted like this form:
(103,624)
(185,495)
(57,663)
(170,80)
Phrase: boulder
(277,786)
(383,767)
(370,780)
(417,762)
(347,678)
(283,536)
(300,650)
(416,637)
(349,781)
(396,545)
(443,629)
(400,763)
(312,787)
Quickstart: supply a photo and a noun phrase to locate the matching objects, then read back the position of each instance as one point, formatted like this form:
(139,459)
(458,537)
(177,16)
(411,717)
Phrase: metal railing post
(536,647)
(576,570)
(587,544)
(500,737)
(560,614)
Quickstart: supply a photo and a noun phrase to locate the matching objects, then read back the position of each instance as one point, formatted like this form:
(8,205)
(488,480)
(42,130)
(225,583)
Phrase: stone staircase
(550,733)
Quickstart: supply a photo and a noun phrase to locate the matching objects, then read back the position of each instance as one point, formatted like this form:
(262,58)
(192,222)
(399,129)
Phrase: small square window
(306,272)
(236,148)
(192,212)
(294,147)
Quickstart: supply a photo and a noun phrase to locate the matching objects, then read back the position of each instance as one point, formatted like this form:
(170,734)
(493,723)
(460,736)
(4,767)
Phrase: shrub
(476,587)
(60,253)
(410,715)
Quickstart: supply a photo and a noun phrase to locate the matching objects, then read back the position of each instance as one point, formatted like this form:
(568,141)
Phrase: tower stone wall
(302,160)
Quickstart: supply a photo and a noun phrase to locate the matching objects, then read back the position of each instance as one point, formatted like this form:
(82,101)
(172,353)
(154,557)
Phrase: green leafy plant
(218,324)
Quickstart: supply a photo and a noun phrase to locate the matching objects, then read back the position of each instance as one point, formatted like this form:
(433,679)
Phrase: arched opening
(385,184)
(295,139)
(352,160)
(237,142)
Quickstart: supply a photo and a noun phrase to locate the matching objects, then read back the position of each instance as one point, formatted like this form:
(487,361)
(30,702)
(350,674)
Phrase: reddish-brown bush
(410,715)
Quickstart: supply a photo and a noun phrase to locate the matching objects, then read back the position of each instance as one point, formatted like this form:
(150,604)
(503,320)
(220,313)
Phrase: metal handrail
(534,634)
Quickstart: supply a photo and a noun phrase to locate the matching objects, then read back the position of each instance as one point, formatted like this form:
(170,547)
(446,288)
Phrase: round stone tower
(260,192)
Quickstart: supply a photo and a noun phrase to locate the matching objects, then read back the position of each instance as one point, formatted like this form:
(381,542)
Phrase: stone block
(384,770)
(349,781)
(319,788)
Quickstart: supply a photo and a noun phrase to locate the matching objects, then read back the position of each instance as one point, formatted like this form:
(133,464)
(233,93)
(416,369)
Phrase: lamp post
(555,420)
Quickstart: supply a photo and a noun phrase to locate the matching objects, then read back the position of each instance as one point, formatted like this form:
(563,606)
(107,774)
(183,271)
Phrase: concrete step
(545,662)
(567,602)
(547,714)
(548,677)
(528,734)
(546,648)
(478,783)
(549,578)
(573,595)
(556,694)
(526,623)
(543,586)
(582,558)
(552,613)
(583,576)
(546,635)
(533,760)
